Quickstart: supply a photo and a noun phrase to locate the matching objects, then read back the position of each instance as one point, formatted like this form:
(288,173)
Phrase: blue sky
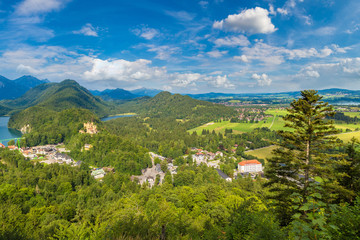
(184,46)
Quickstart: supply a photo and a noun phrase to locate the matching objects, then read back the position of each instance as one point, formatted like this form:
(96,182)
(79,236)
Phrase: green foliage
(303,156)
(60,96)
(63,202)
(49,127)
(165,105)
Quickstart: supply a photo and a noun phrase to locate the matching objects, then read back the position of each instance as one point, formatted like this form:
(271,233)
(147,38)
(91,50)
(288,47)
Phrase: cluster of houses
(203,156)
(51,155)
(148,175)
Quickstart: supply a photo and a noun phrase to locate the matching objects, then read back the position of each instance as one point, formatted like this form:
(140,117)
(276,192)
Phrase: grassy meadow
(275,122)
(262,153)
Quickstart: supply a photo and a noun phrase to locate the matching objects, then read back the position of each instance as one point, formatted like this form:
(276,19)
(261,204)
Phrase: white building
(250,166)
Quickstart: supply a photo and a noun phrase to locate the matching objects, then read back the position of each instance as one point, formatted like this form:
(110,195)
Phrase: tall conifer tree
(304,164)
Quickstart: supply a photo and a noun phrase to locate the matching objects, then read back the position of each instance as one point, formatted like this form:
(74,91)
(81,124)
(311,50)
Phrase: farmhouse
(249,166)
(2,145)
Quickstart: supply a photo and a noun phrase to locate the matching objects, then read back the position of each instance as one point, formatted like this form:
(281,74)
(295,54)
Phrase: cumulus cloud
(87,30)
(146,32)
(220,81)
(186,79)
(262,80)
(51,62)
(242,58)
(142,71)
(33,7)
(233,41)
(122,70)
(251,21)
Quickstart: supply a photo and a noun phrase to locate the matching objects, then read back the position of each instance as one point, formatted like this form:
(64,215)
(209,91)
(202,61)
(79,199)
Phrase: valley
(183,157)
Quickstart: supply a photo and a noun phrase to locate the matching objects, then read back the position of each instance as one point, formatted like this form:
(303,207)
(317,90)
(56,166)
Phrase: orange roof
(12,147)
(243,163)
(2,145)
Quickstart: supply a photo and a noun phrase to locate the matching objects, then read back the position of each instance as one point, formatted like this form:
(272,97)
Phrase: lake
(116,116)
(7,133)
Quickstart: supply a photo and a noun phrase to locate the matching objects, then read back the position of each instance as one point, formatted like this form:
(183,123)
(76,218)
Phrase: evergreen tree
(303,165)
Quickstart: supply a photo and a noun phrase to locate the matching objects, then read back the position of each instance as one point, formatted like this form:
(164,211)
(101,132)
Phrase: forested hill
(59,96)
(178,106)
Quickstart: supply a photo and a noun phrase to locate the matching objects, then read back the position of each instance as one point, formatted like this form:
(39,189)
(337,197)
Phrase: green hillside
(60,96)
(177,106)
(45,126)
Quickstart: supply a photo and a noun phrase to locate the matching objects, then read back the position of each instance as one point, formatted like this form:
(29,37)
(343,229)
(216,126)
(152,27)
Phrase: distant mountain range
(213,95)
(121,94)
(12,89)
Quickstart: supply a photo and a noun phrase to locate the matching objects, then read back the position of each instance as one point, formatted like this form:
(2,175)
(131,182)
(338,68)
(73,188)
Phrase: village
(50,154)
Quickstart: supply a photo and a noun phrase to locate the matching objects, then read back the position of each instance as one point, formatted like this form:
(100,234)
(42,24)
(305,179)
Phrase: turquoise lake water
(7,133)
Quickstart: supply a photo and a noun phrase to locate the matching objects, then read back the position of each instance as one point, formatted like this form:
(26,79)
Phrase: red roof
(243,163)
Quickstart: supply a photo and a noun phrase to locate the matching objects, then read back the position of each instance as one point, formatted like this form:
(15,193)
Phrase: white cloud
(141,71)
(181,15)
(51,62)
(57,63)
(163,52)
(186,79)
(271,55)
(146,32)
(216,53)
(251,21)
(233,41)
(338,49)
(272,10)
(33,7)
(282,11)
(242,58)
(262,80)
(220,81)
(87,30)
(290,9)
(122,70)
(324,31)
(342,73)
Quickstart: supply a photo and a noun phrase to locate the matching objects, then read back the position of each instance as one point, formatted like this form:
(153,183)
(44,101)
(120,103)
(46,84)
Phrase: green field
(275,111)
(346,137)
(262,153)
(274,123)
(352,114)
